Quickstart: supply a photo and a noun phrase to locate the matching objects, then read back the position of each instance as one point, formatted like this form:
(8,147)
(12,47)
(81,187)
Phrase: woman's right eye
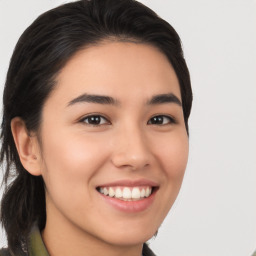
(95,120)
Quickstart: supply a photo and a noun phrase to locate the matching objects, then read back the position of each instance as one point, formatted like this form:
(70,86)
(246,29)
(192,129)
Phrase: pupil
(94,120)
(157,120)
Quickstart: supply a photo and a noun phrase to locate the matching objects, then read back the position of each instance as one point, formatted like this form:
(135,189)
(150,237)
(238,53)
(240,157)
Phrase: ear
(27,147)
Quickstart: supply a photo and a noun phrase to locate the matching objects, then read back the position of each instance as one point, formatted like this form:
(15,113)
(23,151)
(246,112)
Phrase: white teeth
(136,193)
(105,191)
(118,193)
(126,193)
(111,192)
(142,193)
(148,192)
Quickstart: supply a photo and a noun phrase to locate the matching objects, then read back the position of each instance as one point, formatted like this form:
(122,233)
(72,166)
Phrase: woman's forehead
(118,69)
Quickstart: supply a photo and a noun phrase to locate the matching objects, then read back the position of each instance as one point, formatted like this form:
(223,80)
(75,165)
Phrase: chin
(130,239)
(130,236)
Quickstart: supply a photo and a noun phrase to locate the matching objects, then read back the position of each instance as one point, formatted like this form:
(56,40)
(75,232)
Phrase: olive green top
(35,246)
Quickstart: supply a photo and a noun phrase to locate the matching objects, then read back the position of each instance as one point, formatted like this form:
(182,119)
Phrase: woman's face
(114,125)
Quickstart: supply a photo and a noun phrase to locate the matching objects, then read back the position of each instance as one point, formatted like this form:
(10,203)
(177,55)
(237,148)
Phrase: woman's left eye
(161,120)
(95,120)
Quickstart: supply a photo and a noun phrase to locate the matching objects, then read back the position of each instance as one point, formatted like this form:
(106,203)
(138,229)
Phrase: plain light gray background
(215,213)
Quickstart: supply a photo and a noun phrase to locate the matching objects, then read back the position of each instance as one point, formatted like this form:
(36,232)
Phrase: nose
(132,150)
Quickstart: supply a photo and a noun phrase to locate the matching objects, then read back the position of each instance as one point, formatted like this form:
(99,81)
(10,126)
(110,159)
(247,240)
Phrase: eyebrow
(164,98)
(93,98)
(107,100)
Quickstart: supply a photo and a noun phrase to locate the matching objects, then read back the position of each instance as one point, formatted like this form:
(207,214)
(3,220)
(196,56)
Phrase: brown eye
(95,120)
(161,120)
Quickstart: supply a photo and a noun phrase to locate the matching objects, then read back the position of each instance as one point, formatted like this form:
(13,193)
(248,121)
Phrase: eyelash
(157,118)
(94,117)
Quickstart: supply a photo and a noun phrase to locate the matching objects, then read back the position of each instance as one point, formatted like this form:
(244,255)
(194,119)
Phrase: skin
(75,157)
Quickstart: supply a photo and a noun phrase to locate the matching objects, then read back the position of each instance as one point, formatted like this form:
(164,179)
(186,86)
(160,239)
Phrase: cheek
(174,156)
(69,162)
(69,165)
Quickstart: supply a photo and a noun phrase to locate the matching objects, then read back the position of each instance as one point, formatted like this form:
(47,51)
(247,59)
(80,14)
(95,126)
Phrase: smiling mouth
(127,193)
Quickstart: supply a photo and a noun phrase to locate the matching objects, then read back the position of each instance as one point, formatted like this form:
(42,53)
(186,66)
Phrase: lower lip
(130,206)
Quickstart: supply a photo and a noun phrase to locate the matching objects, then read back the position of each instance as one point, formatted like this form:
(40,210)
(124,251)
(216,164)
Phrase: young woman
(94,130)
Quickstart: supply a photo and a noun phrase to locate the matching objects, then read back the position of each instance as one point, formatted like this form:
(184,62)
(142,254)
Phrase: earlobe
(27,146)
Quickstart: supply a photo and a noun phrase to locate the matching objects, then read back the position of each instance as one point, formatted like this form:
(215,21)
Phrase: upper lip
(130,183)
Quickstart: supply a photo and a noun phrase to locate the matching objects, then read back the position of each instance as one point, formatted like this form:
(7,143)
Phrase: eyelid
(82,120)
(171,119)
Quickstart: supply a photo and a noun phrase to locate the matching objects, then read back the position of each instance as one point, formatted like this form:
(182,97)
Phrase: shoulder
(4,252)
